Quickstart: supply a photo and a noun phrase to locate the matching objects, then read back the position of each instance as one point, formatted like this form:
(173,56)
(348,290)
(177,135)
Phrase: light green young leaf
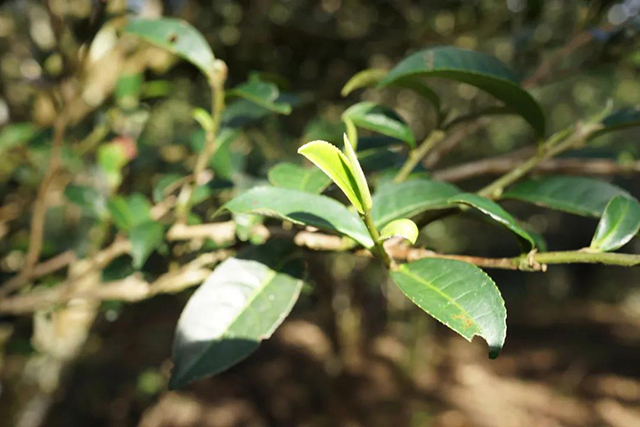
(364,78)
(203,118)
(480,70)
(337,166)
(303,209)
(377,118)
(145,238)
(495,212)
(404,228)
(352,133)
(240,304)
(361,180)
(177,37)
(620,222)
(295,177)
(573,194)
(458,294)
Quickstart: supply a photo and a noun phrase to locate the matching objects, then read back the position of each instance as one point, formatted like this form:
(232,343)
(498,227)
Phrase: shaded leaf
(91,201)
(364,78)
(622,119)
(576,195)
(263,94)
(240,304)
(338,167)
(404,228)
(620,222)
(145,238)
(377,118)
(164,183)
(13,135)
(477,69)
(295,177)
(495,212)
(177,37)
(459,295)
(410,198)
(303,209)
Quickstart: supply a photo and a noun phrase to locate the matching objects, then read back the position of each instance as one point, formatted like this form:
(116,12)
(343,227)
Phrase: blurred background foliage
(348,355)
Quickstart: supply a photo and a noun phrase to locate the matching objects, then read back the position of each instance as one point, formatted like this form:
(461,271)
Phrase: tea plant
(261,272)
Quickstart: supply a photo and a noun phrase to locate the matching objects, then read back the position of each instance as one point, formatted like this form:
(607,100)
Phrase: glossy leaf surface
(477,69)
(620,222)
(460,295)
(404,228)
(576,195)
(240,304)
(377,118)
(295,177)
(303,209)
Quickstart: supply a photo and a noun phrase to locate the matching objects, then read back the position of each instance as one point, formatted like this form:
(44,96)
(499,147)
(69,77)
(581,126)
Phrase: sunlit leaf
(377,118)
(303,209)
(177,37)
(337,166)
(404,228)
(458,294)
(620,222)
(240,304)
(480,70)
(364,78)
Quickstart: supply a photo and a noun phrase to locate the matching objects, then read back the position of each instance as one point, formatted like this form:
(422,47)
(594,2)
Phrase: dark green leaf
(295,177)
(303,209)
(620,222)
(145,238)
(120,213)
(90,200)
(410,198)
(128,89)
(619,120)
(163,184)
(379,119)
(176,36)
(495,212)
(263,94)
(480,70)
(576,195)
(240,304)
(458,294)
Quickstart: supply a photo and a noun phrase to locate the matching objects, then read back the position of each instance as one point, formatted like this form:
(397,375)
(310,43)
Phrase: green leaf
(163,184)
(361,179)
(127,213)
(410,198)
(620,222)
(371,116)
(364,78)
(338,167)
(404,228)
(128,89)
(477,69)
(177,37)
(576,195)
(90,200)
(262,94)
(203,118)
(140,208)
(240,304)
(459,295)
(622,119)
(495,212)
(145,238)
(303,209)
(295,177)
(16,134)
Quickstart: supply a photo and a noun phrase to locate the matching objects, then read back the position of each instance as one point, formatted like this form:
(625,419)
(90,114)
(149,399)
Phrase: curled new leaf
(404,228)
(341,171)
(362,79)
(619,223)
(177,37)
(477,69)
